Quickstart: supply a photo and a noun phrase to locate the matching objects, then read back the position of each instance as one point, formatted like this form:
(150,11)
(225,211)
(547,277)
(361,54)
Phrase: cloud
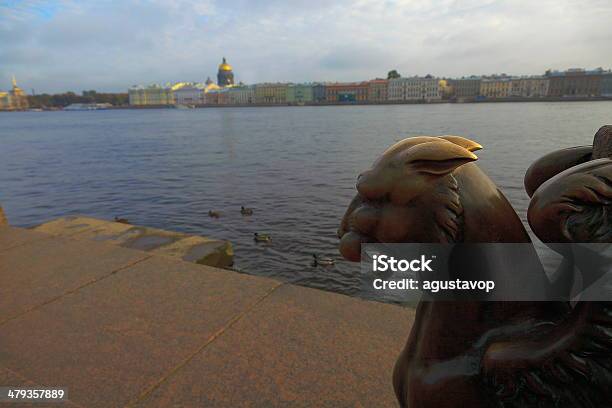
(58,45)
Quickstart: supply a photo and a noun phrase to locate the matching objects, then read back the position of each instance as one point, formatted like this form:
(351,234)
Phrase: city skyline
(59,45)
(554,85)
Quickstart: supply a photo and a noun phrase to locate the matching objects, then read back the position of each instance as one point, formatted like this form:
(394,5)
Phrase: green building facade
(299,93)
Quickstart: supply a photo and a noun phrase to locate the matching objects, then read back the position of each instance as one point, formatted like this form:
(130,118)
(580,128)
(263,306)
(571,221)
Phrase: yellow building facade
(496,88)
(151,95)
(4,101)
(15,99)
(180,93)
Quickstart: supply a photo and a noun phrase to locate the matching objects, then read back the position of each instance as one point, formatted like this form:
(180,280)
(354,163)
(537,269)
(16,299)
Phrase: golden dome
(224,66)
(211,86)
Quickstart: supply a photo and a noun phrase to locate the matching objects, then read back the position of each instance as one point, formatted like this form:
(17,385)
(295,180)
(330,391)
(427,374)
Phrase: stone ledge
(190,248)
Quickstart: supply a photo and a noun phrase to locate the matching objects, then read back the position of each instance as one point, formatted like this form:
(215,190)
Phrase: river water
(295,166)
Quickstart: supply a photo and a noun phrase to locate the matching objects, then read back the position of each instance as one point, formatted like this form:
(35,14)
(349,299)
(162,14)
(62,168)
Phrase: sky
(110,45)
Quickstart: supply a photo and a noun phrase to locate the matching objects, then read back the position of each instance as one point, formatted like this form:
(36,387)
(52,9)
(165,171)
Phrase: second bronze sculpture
(492,354)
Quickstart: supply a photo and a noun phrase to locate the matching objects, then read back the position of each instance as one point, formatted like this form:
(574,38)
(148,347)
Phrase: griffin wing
(566,365)
(569,363)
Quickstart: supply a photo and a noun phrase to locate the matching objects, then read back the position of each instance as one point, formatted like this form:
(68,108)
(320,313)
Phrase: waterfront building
(241,95)
(465,88)
(268,93)
(188,93)
(225,74)
(606,84)
(318,93)
(212,97)
(151,95)
(299,93)
(496,87)
(533,86)
(415,88)
(515,87)
(219,96)
(180,93)
(15,99)
(396,89)
(209,86)
(445,89)
(223,96)
(5,101)
(424,88)
(575,82)
(346,92)
(377,90)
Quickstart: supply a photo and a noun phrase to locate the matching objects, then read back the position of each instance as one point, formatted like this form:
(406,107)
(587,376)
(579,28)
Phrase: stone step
(190,248)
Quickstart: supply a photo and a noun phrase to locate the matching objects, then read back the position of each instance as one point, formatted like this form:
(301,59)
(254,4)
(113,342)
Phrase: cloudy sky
(109,45)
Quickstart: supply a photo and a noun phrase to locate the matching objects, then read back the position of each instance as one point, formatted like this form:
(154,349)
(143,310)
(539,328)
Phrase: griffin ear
(468,144)
(438,158)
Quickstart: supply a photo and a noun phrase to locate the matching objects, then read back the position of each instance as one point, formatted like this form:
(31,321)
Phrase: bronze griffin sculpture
(492,354)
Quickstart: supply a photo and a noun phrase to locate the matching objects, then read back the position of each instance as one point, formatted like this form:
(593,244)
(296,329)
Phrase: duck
(322,261)
(262,237)
(246,211)
(214,214)
(122,220)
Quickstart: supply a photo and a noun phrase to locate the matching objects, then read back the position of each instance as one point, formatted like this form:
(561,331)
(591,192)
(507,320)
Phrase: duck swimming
(214,214)
(322,261)
(262,237)
(246,211)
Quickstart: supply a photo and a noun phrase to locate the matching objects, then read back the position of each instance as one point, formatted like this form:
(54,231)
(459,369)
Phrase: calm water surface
(295,166)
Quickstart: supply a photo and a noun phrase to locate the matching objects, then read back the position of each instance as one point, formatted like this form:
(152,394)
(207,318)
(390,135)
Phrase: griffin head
(410,185)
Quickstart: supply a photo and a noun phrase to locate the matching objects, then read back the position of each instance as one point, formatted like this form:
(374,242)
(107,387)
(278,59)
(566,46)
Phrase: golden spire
(16,90)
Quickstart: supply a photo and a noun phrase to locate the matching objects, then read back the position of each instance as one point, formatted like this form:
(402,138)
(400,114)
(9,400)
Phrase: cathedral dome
(225,75)
(224,66)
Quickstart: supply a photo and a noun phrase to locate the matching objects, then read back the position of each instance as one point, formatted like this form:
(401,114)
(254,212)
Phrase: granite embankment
(119,326)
